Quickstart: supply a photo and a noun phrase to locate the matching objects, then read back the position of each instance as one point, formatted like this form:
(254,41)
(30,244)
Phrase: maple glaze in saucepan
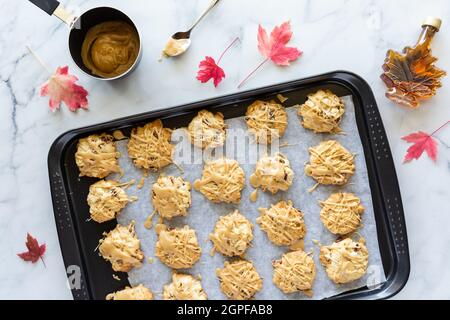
(103,41)
(110,48)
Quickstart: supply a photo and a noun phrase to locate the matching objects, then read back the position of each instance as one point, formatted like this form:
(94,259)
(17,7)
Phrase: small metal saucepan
(80,25)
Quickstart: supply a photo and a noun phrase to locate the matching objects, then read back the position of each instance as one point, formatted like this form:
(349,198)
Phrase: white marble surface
(346,34)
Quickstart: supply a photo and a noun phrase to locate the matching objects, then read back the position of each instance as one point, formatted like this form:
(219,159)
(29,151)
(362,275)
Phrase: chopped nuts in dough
(207,130)
(222,181)
(184,287)
(266,121)
(295,271)
(283,223)
(106,199)
(149,146)
(136,293)
(322,112)
(341,213)
(239,280)
(178,248)
(345,260)
(232,234)
(330,163)
(122,248)
(97,156)
(272,174)
(171,196)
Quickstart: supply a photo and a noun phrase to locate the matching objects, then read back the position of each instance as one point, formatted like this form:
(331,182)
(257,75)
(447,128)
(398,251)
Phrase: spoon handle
(212,5)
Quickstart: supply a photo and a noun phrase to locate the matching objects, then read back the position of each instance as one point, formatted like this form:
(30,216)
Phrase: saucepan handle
(48,6)
(54,8)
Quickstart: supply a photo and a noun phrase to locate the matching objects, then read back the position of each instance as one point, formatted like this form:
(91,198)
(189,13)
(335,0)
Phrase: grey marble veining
(334,34)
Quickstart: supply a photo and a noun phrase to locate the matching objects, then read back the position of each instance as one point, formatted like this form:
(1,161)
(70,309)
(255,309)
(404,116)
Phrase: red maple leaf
(210,70)
(275,48)
(422,142)
(61,87)
(35,251)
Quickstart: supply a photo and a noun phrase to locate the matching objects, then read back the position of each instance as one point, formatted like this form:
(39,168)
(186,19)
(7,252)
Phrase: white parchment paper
(203,214)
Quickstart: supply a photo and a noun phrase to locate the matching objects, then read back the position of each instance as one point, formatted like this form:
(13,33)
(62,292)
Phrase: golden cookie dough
(122,248)
(295,271)
(341,213)
(97,156)
(330,163)
(171,196)
(106,199)
(239,280)
(345,260)
(266,121)
(232,235)
(207,130)
(272,174)
(184,287)
(136,293)
(178,248)
(150,147)
(222,181)
(283,223)
(322,112)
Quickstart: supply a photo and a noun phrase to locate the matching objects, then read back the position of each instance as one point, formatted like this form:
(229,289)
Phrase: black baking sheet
(69,192)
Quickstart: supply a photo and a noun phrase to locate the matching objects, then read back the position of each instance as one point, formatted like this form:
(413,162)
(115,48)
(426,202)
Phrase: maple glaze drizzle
(254,195)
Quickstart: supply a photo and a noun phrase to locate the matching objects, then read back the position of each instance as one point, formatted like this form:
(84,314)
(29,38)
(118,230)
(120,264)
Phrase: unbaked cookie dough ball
(322,112)
(150,146)
(222,181)
(232,234)
(178,248)
(330,163)
(136,293)
(266,121)
(97,156)
(171,196)
(122,248)
(207,130)
(106,199)
(295,271)
(239,280)
(341,213)
(272,173)
(184,287)
(283,223)
(345,260)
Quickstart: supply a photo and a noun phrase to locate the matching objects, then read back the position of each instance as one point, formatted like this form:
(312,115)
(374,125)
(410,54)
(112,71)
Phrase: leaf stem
(438,129)
(41,62)
(227,48)
(251,73)
(42,259)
